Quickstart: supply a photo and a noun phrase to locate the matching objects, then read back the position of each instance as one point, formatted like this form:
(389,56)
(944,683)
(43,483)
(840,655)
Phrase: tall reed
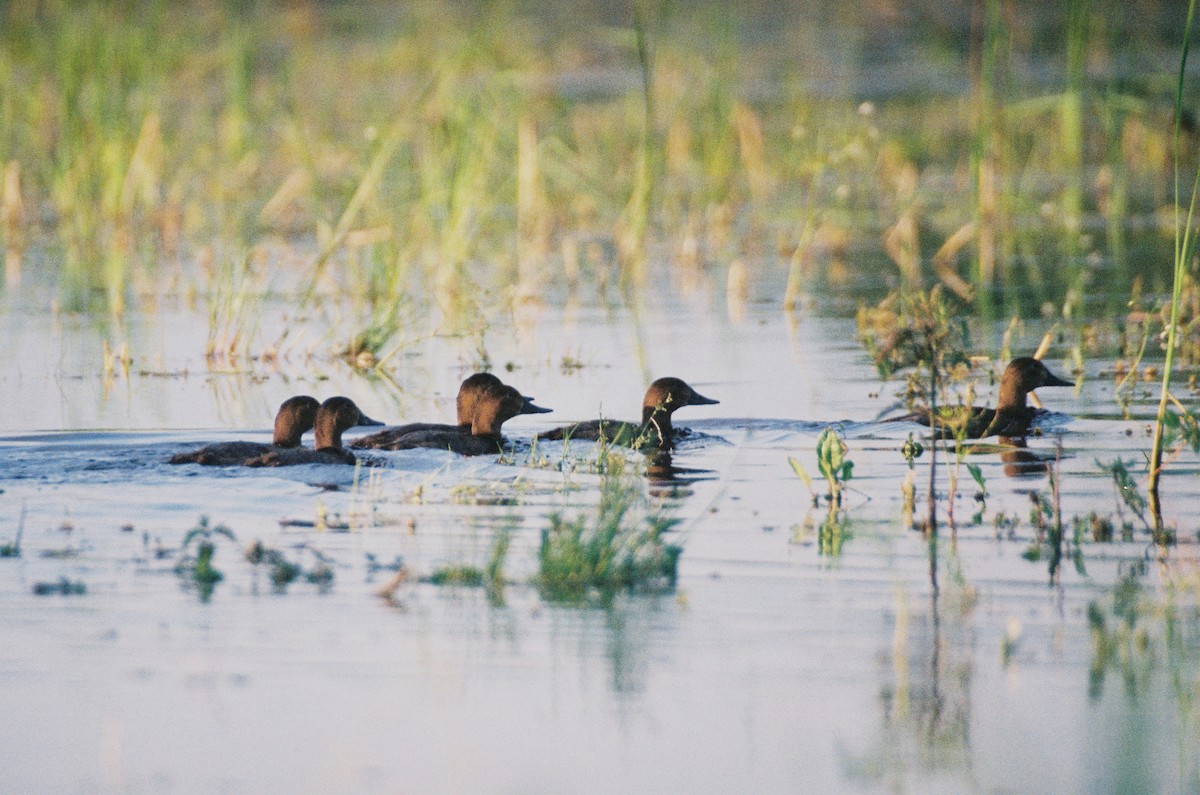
(988,21)
(635,219)
(1071,114)
(1184,245)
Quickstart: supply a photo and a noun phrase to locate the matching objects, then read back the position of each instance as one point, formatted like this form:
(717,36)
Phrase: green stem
(933,388)
(1183,246)
(638,209)
(989,21)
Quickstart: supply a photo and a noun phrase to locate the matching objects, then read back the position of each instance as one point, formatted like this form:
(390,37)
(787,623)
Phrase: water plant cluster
(196,564)
(625,542)
(623,546)
(622,543)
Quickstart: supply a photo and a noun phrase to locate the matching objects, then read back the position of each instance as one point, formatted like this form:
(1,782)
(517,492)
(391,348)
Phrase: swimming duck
(469,394)
(1012,416)
(295,417)
(494,405)
(663,398)
(336,415)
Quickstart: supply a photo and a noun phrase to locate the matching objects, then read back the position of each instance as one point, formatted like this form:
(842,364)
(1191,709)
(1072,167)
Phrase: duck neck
(657,421)
(487,423)
(286,439)
(287,434)
(1011,397)
(328,436)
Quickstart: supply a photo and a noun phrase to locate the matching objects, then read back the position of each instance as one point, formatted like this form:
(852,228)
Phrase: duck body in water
(1012,417)
(662,399)
(295,417)
(335,416)
(494,406)
(469,393)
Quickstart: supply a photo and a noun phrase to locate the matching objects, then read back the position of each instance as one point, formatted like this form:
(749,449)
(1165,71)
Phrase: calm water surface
(775,666)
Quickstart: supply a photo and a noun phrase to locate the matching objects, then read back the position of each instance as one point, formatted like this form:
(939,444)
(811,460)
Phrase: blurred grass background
(463,154)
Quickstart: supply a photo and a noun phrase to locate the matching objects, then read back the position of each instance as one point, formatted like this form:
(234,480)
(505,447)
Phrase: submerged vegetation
(623,546)
(1137,637)
(13,549)
(62,587)
(195,563)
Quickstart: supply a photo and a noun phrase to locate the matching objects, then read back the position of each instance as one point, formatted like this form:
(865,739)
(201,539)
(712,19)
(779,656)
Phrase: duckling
(295,417)
(493,407)
(469,393)
(1012,417)
(663,398)
(336,415)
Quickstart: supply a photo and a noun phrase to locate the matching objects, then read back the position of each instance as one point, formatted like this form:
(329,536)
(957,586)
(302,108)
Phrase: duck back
(295,456)
(608,431)
(224,454)
(453,440)
(389,438)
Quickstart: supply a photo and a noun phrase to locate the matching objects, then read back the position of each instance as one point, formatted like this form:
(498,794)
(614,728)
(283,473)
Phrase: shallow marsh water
(780,662)
(795,654)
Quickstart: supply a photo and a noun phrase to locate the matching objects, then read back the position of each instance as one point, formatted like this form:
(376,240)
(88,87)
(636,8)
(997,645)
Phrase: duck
(335,416)
(469,394)
(1013,416)
(494,405)
(295,417)
(664,397)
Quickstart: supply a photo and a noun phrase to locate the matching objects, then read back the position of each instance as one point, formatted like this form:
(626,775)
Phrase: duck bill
(700,400)
(530,408)
(1053,380)
(365,420)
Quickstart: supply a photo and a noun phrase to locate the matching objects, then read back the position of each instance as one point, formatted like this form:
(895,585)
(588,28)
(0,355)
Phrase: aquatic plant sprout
(833,464)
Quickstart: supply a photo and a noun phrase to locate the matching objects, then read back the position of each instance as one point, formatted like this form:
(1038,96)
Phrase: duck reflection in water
(661,471)
(1020,462)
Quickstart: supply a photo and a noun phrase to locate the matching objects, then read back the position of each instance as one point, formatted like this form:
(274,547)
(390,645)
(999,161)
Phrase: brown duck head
(336,415)
(498,404)
(663,398)
(1022,376)
(295,418)
(473,389)
(666,395)
(469,393)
